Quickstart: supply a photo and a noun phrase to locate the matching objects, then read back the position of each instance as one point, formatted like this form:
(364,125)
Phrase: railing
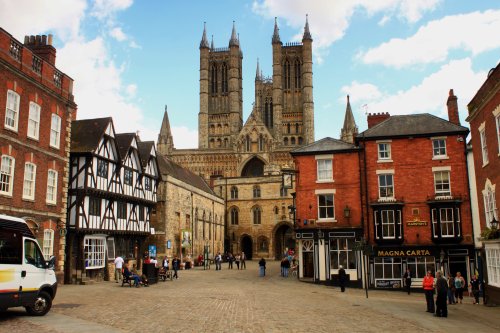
(36,64)
(57,78)
(15,50)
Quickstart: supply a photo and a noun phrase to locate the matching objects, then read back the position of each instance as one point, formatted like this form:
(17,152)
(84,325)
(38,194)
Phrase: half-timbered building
(111,196)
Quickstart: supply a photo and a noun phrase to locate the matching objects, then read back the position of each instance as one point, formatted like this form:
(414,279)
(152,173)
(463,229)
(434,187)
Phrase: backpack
(458,283)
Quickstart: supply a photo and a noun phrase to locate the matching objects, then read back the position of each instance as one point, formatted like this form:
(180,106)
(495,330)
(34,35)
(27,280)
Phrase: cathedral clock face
(287,180)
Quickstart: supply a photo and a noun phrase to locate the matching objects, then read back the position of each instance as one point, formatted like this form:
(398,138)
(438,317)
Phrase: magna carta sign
(403,253)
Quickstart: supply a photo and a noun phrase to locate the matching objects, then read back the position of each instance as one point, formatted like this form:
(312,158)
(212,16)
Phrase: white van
(26,278)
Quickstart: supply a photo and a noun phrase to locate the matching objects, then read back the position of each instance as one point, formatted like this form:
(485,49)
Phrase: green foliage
(490,233)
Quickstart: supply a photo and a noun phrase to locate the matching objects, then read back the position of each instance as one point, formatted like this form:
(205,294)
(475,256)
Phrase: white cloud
(184,137)
(429,95)
(475,32)
(118,34)
(103,9)
(329,20)
(60,17)
(359,92)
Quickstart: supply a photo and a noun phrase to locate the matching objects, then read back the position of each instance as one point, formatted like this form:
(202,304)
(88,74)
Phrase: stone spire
(212,43)
(258,74)
(350,130)
(276,34)
(307,33)
(204,40)
(234,41)
(165,143)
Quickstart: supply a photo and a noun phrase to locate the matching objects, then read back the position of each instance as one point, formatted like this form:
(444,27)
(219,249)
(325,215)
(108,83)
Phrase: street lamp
(494,223)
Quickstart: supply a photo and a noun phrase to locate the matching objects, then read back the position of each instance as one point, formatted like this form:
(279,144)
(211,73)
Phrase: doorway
(247,246)
(283,239)
(459,264)
(307,264)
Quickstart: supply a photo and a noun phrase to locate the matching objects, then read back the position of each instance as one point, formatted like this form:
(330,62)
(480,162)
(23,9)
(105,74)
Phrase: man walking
(442,292)
(218,262)
(175,266)
(118,268)
(342,278)
(407,278)
(243,258)
(428,285)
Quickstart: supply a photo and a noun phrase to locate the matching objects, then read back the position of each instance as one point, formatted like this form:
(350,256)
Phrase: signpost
(365,251)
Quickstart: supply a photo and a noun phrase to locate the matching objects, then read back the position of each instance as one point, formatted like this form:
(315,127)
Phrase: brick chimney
(41,46)
(377,118)
(453,108)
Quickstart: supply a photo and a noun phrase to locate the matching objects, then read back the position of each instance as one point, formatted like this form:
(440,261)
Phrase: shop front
(388,264)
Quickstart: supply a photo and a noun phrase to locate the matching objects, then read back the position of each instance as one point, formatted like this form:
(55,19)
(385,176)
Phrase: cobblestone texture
(240,301)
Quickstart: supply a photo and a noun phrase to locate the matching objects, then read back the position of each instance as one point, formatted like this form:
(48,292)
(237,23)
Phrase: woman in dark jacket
(262,267)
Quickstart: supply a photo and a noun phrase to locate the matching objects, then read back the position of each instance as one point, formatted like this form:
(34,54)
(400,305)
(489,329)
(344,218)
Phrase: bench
(126,280)
(165,274)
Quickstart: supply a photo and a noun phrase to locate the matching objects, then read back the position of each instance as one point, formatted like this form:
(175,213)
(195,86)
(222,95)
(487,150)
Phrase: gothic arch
(252,167)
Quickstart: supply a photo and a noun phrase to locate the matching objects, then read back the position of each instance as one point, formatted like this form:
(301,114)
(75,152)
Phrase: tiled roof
(412,125)
(324,145)
(86,134)
(144,148)
(123,141)
(168,167)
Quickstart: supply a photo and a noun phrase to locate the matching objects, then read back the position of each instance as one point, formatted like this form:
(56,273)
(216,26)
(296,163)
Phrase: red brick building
(34,139)
(402,187)
(484,119)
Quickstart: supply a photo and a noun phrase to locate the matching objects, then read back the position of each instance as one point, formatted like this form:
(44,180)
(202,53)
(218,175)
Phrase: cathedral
(243,161)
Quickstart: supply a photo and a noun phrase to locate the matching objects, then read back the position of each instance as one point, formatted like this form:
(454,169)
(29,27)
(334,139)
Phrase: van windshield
(32,254)
(10,247)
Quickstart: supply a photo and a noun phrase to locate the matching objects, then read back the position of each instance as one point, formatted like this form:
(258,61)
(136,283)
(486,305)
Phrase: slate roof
(324,145)
(123,141)
(86,134)
(170,168)
(144,148)
(423,124)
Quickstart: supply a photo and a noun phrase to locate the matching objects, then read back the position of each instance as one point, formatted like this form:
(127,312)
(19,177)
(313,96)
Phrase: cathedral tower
(165,143)
(221,93)
(349,130)
(293,107)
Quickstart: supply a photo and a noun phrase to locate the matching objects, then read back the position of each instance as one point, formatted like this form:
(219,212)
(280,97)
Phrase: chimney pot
(38,39)
(26,40)
(44,40)
(32,39)
(50,39)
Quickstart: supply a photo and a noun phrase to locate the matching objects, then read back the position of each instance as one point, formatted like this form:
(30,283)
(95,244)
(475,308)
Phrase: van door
(11,250)
(33,271)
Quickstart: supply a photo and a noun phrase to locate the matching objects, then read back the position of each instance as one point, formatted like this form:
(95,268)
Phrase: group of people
(122,270)
(239,259)
(449,289)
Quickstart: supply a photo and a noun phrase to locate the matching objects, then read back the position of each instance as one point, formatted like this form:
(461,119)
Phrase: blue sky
(130,58)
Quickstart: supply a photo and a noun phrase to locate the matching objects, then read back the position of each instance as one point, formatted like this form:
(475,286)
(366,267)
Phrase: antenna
(365,109)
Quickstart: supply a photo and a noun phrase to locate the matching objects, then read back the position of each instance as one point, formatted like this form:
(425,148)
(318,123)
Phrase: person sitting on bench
(131,276)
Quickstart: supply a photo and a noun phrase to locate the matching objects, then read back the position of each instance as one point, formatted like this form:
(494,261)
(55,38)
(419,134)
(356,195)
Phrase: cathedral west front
(242,161)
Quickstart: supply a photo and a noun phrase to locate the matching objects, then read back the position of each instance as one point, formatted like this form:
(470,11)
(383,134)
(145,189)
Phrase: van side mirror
(51,263)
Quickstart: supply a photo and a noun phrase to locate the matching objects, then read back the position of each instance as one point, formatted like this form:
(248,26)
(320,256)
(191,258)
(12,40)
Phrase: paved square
(240,301)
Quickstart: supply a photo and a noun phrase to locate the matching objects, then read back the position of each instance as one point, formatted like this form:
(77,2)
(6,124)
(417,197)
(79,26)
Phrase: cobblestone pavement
(240,301)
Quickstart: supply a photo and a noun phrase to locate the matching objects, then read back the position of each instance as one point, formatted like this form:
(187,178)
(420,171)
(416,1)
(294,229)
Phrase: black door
(459,264)
(308,264)
(246,246)
(283,240)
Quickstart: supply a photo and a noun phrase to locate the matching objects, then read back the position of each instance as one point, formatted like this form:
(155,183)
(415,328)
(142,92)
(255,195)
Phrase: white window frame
(48,243)
(490,204)
(387,264)
(51,197)
(385,173)
(55,131)
(34,121)
(327,218)
(341,247)
(324,168)
(12,110)
(29,181)
(441,182)
(484,146)
(419,266)
(493,263)
(437,150)
(7,171)
(450,224)
(385,154)
(94,252)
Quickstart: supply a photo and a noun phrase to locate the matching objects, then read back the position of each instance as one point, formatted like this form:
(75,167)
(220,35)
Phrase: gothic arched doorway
(247,246)
(253,168)
(283,239)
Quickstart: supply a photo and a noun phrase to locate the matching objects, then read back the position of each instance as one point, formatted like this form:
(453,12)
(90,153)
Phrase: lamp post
(494,223)
(347,213)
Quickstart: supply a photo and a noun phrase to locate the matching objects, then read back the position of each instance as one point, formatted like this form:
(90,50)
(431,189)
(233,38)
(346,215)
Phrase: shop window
(94,252)
(387,268)
(419,266)
(341,253)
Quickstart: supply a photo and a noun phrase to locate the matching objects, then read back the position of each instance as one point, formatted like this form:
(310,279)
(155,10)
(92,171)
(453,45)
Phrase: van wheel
(41,305)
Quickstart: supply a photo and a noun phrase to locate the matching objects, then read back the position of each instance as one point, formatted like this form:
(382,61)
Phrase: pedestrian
(282,265)
(243,258)
(218,262)
(286,267)
(230,260)
(459,287)
(451,290)
(342,278)
(407,278)
(176,263)
(118,268)
(428,285)
(164,263)
(237,259)
(262,267)
(442,292)
(474,284)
